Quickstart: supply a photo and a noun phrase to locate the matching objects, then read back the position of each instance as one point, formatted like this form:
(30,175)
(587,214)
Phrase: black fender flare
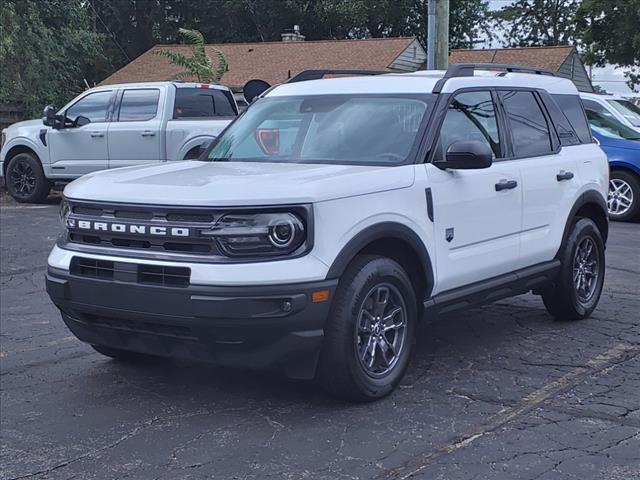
(381,231)
(588,197)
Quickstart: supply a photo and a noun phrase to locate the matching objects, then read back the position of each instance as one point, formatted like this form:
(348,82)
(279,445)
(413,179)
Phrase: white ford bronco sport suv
(113,126)
(332,217)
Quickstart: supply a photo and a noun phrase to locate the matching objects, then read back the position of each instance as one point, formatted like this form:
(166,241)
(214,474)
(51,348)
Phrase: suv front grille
(144,219)
(165,276)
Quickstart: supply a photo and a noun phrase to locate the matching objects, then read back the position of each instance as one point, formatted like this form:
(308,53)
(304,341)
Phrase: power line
(113,37)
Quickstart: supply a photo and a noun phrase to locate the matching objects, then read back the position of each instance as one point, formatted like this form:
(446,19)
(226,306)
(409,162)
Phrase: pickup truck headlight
(259,234)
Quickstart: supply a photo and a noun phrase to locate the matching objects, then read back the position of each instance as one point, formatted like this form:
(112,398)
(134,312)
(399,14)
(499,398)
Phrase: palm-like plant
(199,65)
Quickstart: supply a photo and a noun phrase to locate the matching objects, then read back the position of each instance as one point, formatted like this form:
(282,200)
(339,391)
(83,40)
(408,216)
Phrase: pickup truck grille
(145,228)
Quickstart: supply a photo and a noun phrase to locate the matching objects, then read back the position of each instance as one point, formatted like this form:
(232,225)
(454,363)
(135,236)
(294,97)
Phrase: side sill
(492,289)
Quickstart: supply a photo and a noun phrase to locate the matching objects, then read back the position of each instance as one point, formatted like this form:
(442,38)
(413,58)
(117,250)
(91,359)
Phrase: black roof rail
(468,69)
(318,74)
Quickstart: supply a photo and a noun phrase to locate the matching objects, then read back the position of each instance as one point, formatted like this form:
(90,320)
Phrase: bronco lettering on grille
(130,228)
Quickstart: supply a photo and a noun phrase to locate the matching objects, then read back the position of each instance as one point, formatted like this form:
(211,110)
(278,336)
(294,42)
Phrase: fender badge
(448,235)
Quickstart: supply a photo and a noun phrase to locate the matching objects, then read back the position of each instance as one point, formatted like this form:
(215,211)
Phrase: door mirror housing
(50,119)
(81,121)
(467,155)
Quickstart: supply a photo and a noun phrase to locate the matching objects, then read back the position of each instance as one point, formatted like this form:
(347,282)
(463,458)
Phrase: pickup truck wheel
(126,356)
(25,179)
(370,331)
(623,200)
(577,291)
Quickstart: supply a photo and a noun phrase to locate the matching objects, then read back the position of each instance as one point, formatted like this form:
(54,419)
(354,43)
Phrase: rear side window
(529,128)
(571,106)
(139,105)
(203,103)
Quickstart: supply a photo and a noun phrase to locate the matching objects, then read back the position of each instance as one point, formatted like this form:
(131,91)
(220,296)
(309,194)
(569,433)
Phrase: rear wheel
(624,196)
(577,291)
(370,332)
(127,356)
(25,179)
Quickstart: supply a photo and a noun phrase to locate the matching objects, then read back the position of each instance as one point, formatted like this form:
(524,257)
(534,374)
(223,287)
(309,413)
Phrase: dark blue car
(622,146)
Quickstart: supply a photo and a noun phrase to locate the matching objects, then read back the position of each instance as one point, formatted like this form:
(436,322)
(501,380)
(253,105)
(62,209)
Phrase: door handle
(97,134)
(148,133)
(506,185)
(564,175)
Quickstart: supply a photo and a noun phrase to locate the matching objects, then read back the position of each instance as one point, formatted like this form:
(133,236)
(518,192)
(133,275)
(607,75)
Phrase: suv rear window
(529,129)
(203,103)
(571,106)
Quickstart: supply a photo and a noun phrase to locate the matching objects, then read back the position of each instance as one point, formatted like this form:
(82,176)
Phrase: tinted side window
(571,106)
(94,106)
(203,103)
(139,105)
(529,129)
(470,116)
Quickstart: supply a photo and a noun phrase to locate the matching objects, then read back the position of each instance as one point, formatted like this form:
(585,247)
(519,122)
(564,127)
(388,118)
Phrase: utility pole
(431,34)
(442,34)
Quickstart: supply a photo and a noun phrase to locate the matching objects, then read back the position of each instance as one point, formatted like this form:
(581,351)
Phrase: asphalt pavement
(498,392)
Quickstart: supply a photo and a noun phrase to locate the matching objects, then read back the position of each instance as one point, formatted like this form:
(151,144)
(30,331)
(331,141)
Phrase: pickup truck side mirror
(50,119)
(467,155)
(81,121)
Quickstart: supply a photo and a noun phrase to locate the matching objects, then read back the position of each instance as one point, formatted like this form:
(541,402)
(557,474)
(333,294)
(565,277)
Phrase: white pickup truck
(112,126)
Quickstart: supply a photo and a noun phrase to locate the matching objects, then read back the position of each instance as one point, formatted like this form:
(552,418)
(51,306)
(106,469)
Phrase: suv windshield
(610,127)
(628,110)
(342,129)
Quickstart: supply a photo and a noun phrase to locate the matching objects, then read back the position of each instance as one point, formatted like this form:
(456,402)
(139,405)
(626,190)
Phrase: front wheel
(370,332)
(25,179)
(623,200)
(577,291)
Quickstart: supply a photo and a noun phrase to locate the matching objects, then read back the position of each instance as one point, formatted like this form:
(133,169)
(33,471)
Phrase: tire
(193,154)
(623,200)
(355,365)
(575,298)
(126,356)
(25,179)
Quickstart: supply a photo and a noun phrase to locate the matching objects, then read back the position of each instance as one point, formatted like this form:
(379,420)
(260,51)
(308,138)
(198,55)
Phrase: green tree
(611,34)
(48,52)
(532,23)
(199,65)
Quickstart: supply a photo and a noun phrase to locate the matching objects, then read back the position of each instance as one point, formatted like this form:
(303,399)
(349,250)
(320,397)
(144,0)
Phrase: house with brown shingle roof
(564,60)
(274,62)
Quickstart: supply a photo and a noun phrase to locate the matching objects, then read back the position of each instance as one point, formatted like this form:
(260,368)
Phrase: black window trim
(115,116)
(427,149)
(552,97)
(556,146)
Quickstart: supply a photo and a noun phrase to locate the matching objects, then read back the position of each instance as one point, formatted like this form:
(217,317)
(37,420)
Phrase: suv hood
(24,125)
(236,183)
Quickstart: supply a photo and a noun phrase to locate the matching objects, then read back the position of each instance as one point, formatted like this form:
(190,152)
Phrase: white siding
(411,59)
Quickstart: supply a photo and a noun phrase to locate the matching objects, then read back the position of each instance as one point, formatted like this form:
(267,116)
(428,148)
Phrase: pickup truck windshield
(342,129)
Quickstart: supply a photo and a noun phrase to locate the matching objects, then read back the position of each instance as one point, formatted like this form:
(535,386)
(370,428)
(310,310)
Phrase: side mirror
(49,118)
(467,155)
(253,89)
(81,121)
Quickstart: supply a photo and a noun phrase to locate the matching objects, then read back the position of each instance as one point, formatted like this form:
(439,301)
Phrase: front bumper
(275,327)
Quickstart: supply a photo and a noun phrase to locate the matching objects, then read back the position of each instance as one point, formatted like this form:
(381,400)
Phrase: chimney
(293,35)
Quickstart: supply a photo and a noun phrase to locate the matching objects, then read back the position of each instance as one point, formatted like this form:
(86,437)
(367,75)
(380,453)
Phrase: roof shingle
(550,58)
(271,61)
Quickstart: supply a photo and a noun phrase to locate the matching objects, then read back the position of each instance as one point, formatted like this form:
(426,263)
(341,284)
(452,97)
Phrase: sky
(610,78)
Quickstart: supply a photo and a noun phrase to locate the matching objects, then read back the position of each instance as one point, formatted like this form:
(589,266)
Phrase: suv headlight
(259,234)
(65,211)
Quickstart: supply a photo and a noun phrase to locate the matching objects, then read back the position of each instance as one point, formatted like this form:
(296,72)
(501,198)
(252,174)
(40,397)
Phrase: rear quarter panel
(184,135)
